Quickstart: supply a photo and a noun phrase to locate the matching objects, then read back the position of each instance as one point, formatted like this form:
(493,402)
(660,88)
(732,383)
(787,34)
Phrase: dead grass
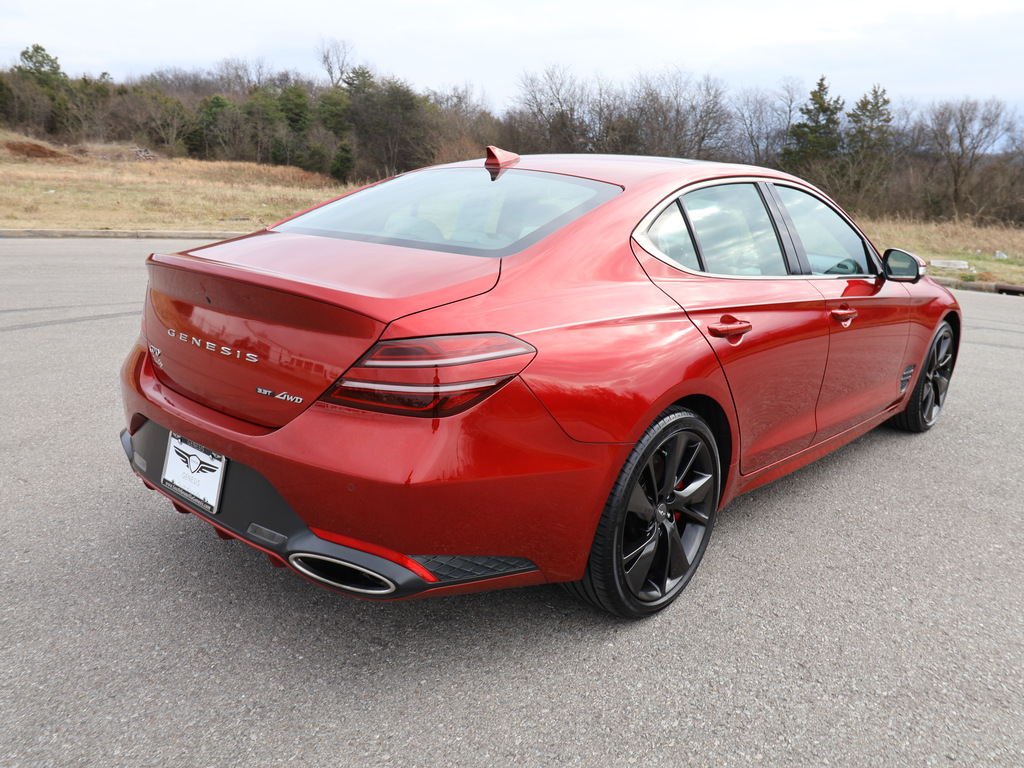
(96,186)
(962,240)
(113,186)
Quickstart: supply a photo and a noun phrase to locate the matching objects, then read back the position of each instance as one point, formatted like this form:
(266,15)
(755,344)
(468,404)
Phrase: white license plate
(194,472)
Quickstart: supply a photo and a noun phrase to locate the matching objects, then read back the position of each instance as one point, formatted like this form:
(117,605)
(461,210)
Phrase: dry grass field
(960,240)
(44,186)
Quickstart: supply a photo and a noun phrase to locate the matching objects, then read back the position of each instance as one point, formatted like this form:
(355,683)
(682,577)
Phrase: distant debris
(950,264)
(142,153)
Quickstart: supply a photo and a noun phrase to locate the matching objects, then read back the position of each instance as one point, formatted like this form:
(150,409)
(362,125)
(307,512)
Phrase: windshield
(459,210)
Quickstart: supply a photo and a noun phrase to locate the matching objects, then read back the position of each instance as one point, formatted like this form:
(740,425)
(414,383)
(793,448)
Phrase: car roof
(627,170)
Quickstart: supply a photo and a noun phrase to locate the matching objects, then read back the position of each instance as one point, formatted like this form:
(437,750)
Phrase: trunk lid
(259,327)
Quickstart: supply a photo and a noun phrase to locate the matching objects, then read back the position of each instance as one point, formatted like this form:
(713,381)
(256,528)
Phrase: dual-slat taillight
(432,376)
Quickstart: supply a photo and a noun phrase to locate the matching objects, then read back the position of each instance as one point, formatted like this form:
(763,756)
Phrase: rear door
(725,264)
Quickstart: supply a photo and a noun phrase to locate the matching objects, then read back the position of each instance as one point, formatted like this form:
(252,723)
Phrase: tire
(932,385)
(657,521)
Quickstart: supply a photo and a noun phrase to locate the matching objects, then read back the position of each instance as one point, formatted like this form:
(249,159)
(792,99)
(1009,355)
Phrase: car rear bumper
(385,507)
(252,511)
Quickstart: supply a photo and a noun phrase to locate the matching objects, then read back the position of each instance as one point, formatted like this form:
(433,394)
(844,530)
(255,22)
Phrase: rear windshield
(459,210)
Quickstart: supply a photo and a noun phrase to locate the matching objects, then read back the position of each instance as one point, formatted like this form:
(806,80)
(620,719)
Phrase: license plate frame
(194,472)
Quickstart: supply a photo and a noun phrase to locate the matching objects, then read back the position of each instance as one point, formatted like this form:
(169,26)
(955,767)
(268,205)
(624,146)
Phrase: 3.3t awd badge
(278,395)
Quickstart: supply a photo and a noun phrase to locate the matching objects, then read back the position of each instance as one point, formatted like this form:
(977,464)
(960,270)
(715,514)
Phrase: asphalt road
(866,611)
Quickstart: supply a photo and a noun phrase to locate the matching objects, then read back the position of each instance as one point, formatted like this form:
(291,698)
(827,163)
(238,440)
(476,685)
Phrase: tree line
(950,159)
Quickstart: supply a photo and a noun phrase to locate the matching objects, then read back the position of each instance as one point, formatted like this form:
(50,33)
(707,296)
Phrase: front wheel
(929,393)
(657,521)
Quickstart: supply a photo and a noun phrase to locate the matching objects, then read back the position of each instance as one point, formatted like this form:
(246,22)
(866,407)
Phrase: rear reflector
(433,376)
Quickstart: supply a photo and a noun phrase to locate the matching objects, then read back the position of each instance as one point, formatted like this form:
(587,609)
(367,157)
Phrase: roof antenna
(498,160)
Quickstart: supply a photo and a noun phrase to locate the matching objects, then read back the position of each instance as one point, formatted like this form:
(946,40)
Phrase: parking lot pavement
(865,611)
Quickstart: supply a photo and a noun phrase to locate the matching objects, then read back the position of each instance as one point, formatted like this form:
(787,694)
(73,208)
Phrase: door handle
(844,315)
(729,326)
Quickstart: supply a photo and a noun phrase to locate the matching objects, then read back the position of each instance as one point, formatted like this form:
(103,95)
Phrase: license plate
(193,472)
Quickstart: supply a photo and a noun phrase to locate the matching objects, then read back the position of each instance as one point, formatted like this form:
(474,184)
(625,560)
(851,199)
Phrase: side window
(734,231)
(670,236)
(832,246)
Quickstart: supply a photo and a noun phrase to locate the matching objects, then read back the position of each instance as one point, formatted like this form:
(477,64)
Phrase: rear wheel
(929,393)
(657,521)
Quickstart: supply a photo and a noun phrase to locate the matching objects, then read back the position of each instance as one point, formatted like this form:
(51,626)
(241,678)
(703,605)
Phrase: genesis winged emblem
(195,465)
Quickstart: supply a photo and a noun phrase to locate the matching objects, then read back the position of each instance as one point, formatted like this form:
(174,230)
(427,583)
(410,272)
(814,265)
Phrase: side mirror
(902,266)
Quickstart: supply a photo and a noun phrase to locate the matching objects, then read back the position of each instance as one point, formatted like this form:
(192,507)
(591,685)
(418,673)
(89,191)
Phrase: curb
(975,285)
(132,234)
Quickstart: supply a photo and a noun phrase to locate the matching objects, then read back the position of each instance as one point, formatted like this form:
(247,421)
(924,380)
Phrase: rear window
(460,210)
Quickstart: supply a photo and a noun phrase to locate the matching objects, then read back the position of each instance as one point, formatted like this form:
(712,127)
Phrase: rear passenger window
(832,246)
(670,236)
(734,231)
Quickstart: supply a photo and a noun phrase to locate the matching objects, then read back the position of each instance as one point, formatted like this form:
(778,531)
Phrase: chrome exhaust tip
(341,575)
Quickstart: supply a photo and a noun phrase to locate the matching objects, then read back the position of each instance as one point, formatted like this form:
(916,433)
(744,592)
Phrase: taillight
(432,376)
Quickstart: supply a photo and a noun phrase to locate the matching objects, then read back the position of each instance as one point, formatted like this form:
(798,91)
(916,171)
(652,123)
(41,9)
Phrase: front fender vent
(905,378)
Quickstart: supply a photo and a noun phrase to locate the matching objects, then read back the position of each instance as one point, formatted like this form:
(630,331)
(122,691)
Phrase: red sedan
(524,370)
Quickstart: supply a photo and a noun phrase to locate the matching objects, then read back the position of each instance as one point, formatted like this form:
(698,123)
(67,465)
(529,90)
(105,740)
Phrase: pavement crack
(69,321)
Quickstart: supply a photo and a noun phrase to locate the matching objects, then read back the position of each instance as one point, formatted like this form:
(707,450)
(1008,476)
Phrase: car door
(867,315)
(719,256)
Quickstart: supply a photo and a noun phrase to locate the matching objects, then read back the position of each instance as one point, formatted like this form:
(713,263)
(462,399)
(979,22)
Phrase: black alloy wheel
(929,393)
(658,519)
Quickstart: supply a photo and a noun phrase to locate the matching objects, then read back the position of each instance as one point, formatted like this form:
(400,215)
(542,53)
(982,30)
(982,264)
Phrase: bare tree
(711,118)
(762,121)
(553,111)
(335,57)
(190,86)
(677,116)
(28,107)
(89,108)
(239,77)
(614,129)
(460,125)
(962,133)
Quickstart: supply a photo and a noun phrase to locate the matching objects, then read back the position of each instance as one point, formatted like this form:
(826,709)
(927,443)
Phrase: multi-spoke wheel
(929,393)
(657,521)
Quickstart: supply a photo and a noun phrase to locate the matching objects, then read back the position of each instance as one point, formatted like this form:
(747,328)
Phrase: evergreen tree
(332,109)
(390,127)
(819,135)
(870,124)
(42,67)
(870,153)
(265,117)
(297,107)
(343,162)
(217,133)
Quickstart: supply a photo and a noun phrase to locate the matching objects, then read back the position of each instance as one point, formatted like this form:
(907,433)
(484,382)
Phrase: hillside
(120,187)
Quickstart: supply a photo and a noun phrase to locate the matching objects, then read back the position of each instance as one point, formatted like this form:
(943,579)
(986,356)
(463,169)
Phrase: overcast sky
(918,50)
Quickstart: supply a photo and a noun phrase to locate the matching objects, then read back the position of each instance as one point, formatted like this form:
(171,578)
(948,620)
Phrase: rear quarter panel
(613,350)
